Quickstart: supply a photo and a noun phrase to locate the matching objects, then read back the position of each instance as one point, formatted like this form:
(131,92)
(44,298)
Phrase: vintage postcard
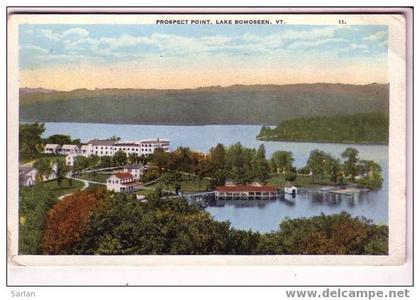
(207,139)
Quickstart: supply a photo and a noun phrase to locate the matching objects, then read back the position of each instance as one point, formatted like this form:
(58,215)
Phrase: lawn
(187,185)
(57,191)
(145,192)
(98,177)
(301,181)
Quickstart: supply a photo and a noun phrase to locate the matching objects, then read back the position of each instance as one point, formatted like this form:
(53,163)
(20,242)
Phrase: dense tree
(356,128)
(218,157)
(30,141)
(282,161)
(120,158)
(370,175)
(43,166)
(261,166)
(81,162)
(68,221)
(350,164)
(107,161)
(333,234)
(160,159)
(117,224)
(61,170)
(59,139)
(133,158)
(34,203)
(323,166)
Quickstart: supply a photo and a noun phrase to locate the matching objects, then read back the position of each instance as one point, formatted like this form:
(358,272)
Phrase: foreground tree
(34,204)
(333,234)
(68,221)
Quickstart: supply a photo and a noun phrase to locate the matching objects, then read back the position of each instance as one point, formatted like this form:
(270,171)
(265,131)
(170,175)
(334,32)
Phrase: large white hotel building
(110,147)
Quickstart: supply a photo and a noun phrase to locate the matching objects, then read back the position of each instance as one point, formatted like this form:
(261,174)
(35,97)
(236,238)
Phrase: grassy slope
(55,189)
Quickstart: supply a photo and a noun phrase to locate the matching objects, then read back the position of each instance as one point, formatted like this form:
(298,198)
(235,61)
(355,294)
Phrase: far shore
(323,141)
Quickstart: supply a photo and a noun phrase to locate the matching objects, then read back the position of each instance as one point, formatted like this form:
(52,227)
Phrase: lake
(259,216)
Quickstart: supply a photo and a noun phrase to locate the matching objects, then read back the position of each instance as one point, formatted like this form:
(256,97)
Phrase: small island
(363,128)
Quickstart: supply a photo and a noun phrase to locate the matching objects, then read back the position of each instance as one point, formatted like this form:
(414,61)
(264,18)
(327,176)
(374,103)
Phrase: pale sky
(67,57)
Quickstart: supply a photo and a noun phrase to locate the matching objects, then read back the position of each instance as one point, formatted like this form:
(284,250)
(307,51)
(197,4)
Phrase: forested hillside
(256,104)
(356,128)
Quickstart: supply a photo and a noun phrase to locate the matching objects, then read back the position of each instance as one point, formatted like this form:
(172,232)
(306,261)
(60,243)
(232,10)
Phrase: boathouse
(252,192)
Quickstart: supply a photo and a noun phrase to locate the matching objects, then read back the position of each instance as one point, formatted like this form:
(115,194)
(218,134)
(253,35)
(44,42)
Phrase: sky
(67,57)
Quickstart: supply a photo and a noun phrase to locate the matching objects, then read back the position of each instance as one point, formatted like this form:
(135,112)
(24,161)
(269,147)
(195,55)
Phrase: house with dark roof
(137,170)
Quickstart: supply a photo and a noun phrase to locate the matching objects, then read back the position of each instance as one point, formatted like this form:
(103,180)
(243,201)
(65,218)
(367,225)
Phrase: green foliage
(290,176)
(34,203)
(357,128)
(43,166)
(323,165)
(30,141)
(281,161)
(120,158)
(332,234)
(61,169)
(121,225)
(350,165)
(257,104)
(150,175)
(371,175)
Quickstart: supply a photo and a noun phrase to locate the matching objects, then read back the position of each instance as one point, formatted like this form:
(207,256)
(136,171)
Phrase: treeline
(356,128)
(244,165)
(96,222)
(236,162)
(31,143)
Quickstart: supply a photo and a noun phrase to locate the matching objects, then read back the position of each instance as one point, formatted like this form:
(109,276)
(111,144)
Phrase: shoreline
(324,142)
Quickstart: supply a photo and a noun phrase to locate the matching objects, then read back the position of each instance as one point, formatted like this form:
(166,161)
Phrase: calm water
(261,216)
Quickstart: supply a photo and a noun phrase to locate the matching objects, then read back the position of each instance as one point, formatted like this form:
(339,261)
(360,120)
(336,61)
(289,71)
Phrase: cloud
(75,33)
(314,43)
(35,50)
(377,36)
(80,44)
(49,34)
(358,46)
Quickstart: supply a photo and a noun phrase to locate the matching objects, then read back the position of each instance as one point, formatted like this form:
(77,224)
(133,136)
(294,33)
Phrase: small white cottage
(122,182)
(51,148)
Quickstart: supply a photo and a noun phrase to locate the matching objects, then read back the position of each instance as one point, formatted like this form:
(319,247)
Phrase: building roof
(52,146)
(246,188)
(68,146)
(126,144)
(84,147)
(26,169)
(96,142)
(154,141)
(124,175)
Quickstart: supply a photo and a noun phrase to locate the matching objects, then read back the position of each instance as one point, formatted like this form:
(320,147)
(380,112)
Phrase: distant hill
(26,90)
(238,104)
